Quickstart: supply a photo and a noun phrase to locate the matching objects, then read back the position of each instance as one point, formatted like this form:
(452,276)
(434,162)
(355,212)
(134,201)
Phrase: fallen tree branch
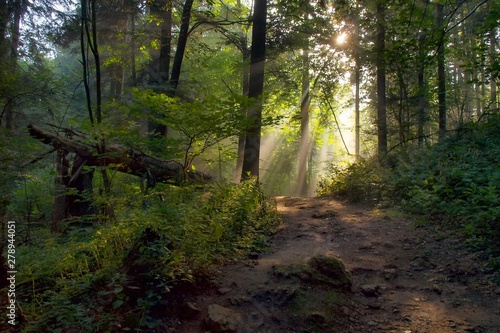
(120,158)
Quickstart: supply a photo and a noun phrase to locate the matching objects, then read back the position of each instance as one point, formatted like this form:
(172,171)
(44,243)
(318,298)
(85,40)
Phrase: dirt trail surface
(404,279)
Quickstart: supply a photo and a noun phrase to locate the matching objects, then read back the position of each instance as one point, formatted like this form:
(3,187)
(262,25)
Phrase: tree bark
(181,46)
(441,73)
(357,79)
(381,82)
(303,155)
(494,74)
(245,76)
(119,157)
(422,110)
(251,159)
(19,8)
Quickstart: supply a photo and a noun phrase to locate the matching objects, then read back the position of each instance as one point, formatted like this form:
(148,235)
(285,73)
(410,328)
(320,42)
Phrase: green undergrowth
(455,184)
(122,276)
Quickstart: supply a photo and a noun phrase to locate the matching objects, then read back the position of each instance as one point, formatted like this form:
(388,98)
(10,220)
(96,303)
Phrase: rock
(333,269)
(370,290)
(316,320)
(390,273)
(253,256)
(188,311)
(435,288)
(278,297)
(325,215)
(419,264)
(222,320)
(223,291)
(319,270)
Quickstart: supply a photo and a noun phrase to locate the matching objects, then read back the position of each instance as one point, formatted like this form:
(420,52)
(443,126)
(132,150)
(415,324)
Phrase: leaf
(218,231)
(117,304)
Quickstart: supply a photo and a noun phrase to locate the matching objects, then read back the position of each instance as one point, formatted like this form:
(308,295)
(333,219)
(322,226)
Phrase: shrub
(358,181)
(112,277)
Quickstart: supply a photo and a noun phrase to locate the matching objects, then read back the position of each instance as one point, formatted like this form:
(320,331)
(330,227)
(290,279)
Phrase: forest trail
(405,279)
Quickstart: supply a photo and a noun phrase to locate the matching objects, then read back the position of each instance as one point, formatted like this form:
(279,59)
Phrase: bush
(112,277)
(359,181)
(455,182)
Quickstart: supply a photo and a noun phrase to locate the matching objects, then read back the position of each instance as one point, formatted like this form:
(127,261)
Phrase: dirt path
(404,279)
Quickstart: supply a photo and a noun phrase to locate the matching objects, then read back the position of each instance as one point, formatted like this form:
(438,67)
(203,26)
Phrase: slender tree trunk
(164,10)
(245,86)
(133,70)
(493,80)
(357,79)
(441,73)
(251,159)
(303,154)
(181,46)
(422,109)
(165,42)
(381,81)
(4,20)
(59,211)
(14,55)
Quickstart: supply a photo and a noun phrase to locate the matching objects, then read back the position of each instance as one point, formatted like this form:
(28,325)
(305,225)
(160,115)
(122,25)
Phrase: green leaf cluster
(86,278)
(454,182)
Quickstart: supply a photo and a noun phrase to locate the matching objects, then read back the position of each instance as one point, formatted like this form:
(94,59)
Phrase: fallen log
(118,157)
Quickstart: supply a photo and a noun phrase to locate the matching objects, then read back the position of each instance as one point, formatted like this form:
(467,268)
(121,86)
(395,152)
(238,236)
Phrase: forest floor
(405,279)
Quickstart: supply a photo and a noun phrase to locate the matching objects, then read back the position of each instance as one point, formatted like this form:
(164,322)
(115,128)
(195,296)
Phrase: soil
(405,278)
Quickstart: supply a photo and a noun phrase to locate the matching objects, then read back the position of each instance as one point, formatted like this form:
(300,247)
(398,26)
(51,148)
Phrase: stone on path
(222,320)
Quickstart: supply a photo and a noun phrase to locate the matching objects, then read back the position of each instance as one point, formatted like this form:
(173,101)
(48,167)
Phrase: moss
(319,270)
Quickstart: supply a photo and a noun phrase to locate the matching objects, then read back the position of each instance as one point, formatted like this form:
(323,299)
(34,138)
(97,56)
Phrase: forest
(142,142)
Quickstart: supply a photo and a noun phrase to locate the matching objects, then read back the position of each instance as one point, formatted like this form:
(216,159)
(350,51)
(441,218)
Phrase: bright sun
(341,39)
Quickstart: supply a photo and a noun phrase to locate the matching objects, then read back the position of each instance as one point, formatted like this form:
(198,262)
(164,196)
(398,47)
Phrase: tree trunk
(165,39)
(14,55)
(494,74)
(118,157)
(381,82)
(181,46)
(441,73)
(357,79)
(303,153)
(165,42)
(245,86)
(422,110)
(251,158)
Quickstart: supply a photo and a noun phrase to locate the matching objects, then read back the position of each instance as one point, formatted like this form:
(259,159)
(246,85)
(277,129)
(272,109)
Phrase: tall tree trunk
(251,159)
(381,82)
(131,39)
(165,41)
(305,102)
(357,79)
(165,48)
(245,76)
(441,72)
(422,109)
(18,10)
(181,46)
(494,74)
(4,20)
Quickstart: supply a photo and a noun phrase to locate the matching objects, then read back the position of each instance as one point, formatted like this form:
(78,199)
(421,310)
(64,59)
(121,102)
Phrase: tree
(441,76)
(381,88)
(251,158)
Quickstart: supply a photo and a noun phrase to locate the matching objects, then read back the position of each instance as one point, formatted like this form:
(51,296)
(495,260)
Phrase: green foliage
(87,279)
(358,181)
(454,182)
(457,179)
